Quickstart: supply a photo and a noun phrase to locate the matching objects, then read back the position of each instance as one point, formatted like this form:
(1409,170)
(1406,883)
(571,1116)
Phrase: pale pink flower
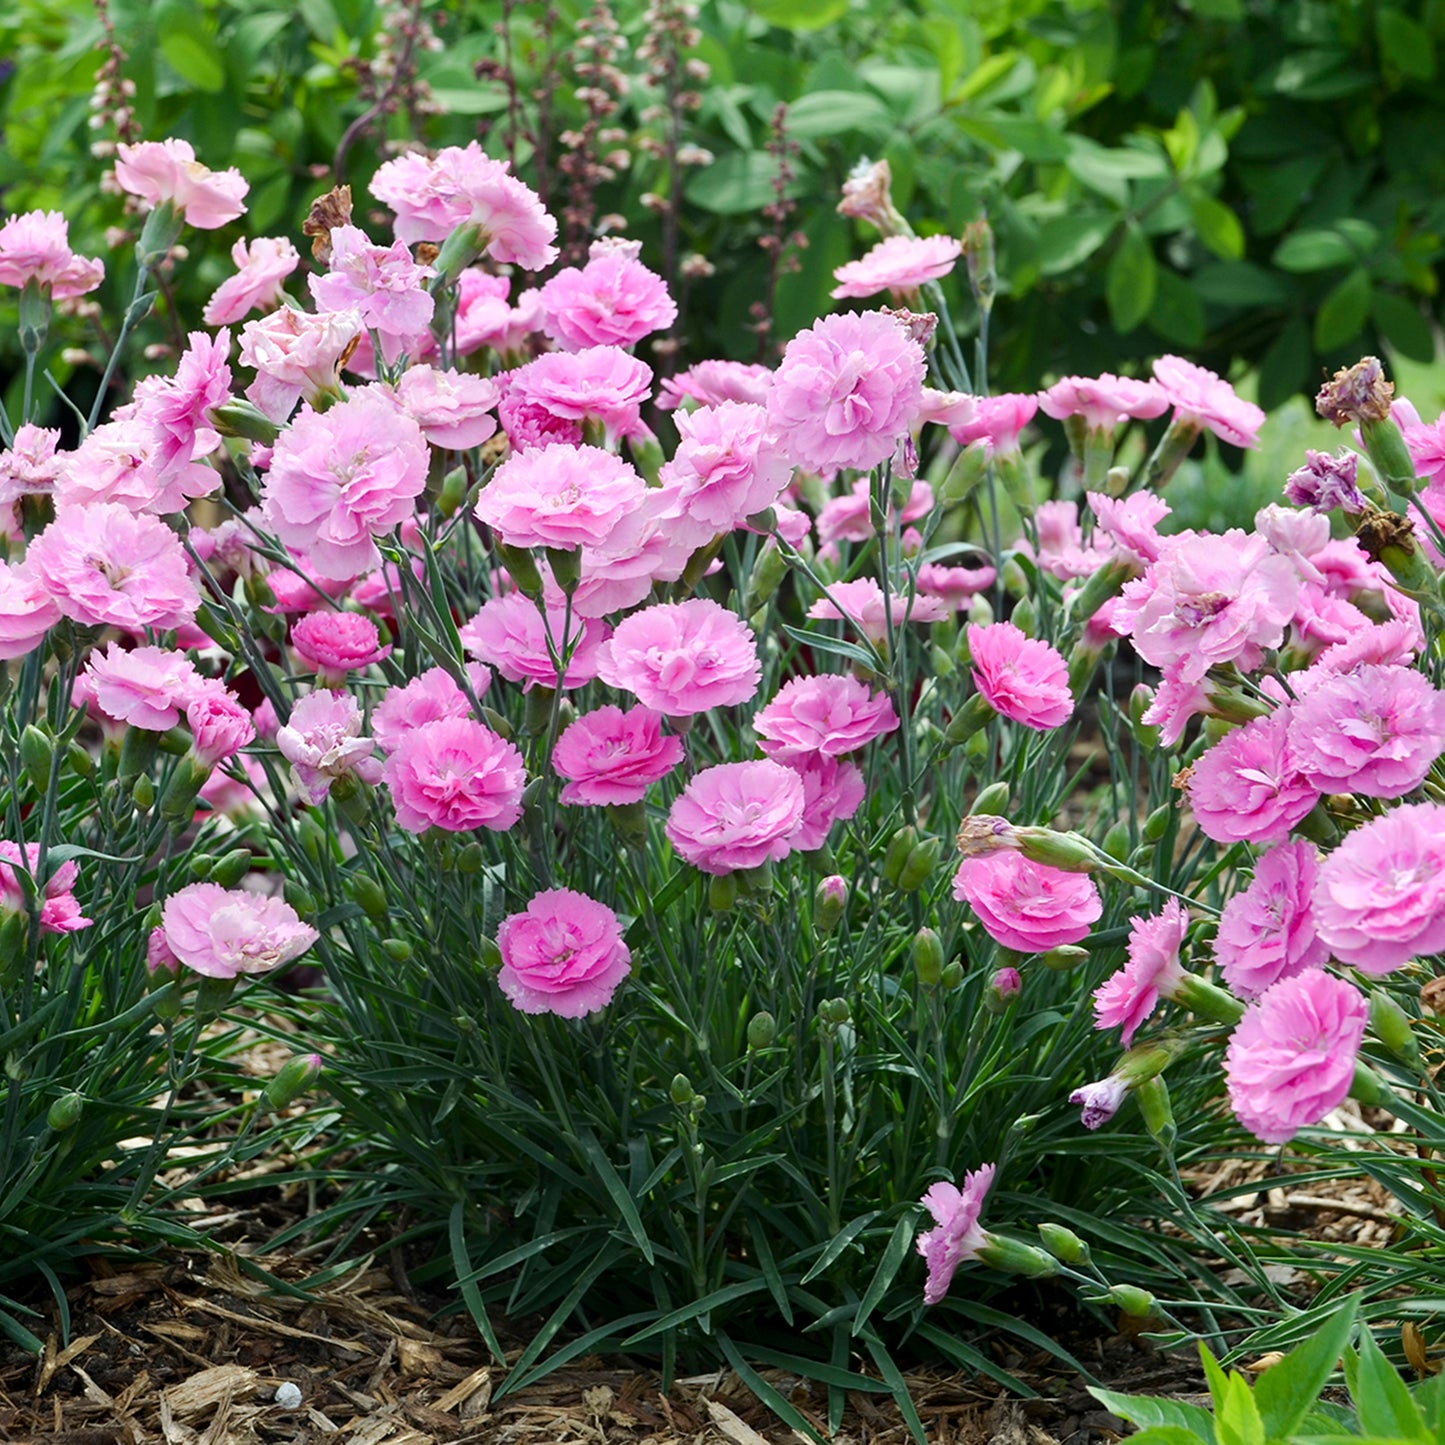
(1425,443)
(335,643)
(1061,550)
(1128,997)
(956,1235)
(29,468)
(1202,399)
(452,408)
(896,264)
(1248,788)
(125,461)
(1291,1058)
(1025,905)
(382,284)
(846,391)
(728,464)
(145,687)
(955,586)
(1132,524)
(455,774)
(1380,897)
(59,908)
(737,815)
(947,408)
(1176,701)
(614,300)
(106,567)
(602,384)
(341,477)
(1104,401)
(564,955)
(261,266)
(1021,678)
(223,932)
(996,421)
(430,695)
(322,741)
(297,356)
(236,791)
(832,792)
(159,171)
(36,247)
(511,634)
(220,726)
(1389,643)
(485,318)
(861,602)
(178,407)
(27,610)
(609,757)
(828,715)
(712,382)
(1100,1100)
(559,496)
(1267,931)
(683,657)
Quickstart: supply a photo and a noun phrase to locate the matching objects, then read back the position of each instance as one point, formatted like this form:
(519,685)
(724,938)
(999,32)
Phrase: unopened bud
(1063,1243)
(1003,988)
(397,949)
(37,753)
(918,866)
(369,895)
(521,567)
(928,957)
(1391,1026)
(453,492)
(299,897)
(900,845)
(681,1091)
(566,566)
(992,801)
(830,899)
(1014,1257)
(1158,1112)
(143,794)
(241,419)
(1135,1302)
(952,975)
(762,1030)
(767,576)
(65,1111)
(1025,617)
(834,1011)
(1157,823)
(292,1080)
(490,953)
(1116,842)
(722,892)
(1065,957)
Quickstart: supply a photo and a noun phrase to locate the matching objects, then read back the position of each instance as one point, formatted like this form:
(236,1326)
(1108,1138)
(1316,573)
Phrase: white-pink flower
(159,171)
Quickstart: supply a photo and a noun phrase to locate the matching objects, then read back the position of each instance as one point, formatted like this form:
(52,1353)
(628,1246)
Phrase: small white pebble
(288,1396)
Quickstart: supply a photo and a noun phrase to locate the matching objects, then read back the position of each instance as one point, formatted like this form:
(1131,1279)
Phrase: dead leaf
(738,1431)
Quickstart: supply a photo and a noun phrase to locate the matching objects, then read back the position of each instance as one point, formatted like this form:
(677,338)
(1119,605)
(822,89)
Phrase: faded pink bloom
(341,477)
(866,197)
(559,496)
(335,643)
(125,462)
(297,356)
(382,284)
(261,267)
(322,741)
(1204,400)
(737,815)
(1380,897)
(1021,678)
(223,932)
(1100,1100)
(145,687)
(712,382)
(956,1235)
(178,407)
(602,384)
(220,726)
(29,468)
(997,421)
(59,908)
(452,408)
(862,603)
(1248,788)
(1267,931)
(27,611)
(1291,1058)
(108,568)
(829,715)
(683,657)
(728,464)
(832,792)
(897,264)
(1326,482)
(159,956)
(610,757)
(1132,524)
(614,300)
(1026,905)
(36,247)
(564,955)
(167,170)
(1128,997)
(511,634)
(430,695)
(955,586)
(846,391)
(1104,401)
(455,774)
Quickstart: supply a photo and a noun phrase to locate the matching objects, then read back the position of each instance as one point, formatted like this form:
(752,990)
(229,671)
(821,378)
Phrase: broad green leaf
(1323,74)
(734,184)
(1343,312)
(837,112)
(1286,1391)
(1237,1421)
(1404,325)
(1069,241)
(1164,1435)
(1381,1397)
(1240,283)
(1151,1410)
(1132,280)
(1218,227)
(1406,44)
(1320,249)
(1285,368)
(1177,313)
(193,56)
(988,72)
(799,14)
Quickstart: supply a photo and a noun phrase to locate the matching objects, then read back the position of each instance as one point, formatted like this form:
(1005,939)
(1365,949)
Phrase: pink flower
(1061,549)
(1376,730)
(1100,1100)
(846,391)
(829,715)
(484,318)
(29,468)
(430,695)
(955,1236)
(382,284)
(683,657)
(737,815)
(997,421)
(223,932)
(322,741)
(1291,1059)
(832,792)
(1025,905)
(125,461)
(1104,401)
(511,634)
(220,726)
(862,603)
(335,643)
(1326,482)
(146,687)
(712,382)
(614,300)
(296,356)
(602,384)
(559,496)
(955,586)
(1267,932)
(107,568)
(1247,788)
(728,464)
(36,247)
(564,955)
(1202,399)
(1380,897)
(341,477)
(179,407)
(261,268)
(159,171)
(452,408)
(1131,524)
(27,611)
(1127,998)
(610,757)
(1021,678)
(59,908)
(455,774)
(898,263)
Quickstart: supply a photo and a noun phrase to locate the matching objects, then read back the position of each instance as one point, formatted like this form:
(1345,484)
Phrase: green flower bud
(299,897)
(137,753)
(1063,1244)
(241,419)
(292,1080)
(928,959)
(37,753)
(1116,842)
(918,866)
(1065,957)
(453,492)
(143,793)
(830,899)
(213,995)
(980,613)
(762,1030)
(491,954)
(952,975)
(1014,579)
(566,565)
(1025,617)
(681,1091)
(369,895)
(992,802)
(165,997)
(1014,1257)
(470,858)
(79,760)
(1157,823)
(834,1011)
(311,836)
(537,711)
(201,864)
(231,867)
(766,577)
(1158,1112)
(497,723)
(397,949)
(522,568)
(1135,1302)
(1392,1027)
(65,1111)
(968,721)
(900,845)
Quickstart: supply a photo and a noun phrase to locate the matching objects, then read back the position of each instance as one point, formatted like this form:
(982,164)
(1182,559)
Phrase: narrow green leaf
(626,1205)
(839,1243)
(986,1315)
(831,1375)
(821,643)
(763,1248)
(893,1378)
(894,1253)
(686,1314)
(471,1295)
(782,1407)
(966,1357)
(1286,1391)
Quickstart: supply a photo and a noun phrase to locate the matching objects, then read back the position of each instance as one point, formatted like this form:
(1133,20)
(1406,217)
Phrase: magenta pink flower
(36,247)
(1380,897)
(1021,678)
(261,267)
(146,687)
(683,657)
(829,715)
(711,383)
(559,496)
(1291,1059)
(846,391)
(223,932)
(609,757)
(737,815)
(614,300)
(728,464)
(997,421)
(898,263)
(335,643)
(431,695)
(220,726)
(59,908)
(1247,788)
(954,586)
(382,284)
(511,634)
(322,741)
(1104,401)
(862,603)
(1267,932)
(564,955)
(341,477)
(1025,905)
(956,1235)
(455,774)
(452,408)
(833,791)
(27,611)
(1204,400)
(1129,996)
(601,383)
(297,356)
(167,170)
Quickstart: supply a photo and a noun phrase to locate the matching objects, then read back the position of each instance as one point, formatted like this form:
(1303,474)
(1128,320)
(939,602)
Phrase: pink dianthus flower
(828,715)
(511,634)
(30,466)
(27,611)
(563,955)
(430,695)
(125,461)
(833,790)
(559,496)
(997,421)
(36,247)
(862,603)
(297,356)
(455,774)
(145,687)
(601,383)
(1153,971)
(956,1235)
(683,657)
(898,263)
(261,266)
(220,726)
(1104,401)
(59,908)
(614,300)
(1025,905)
(610,757)
(223,932)
(452,408)
(956,586)
(710,383)
(728,464)
(382,284)
(335,643)
(1201,399)
(737,815)
(1021,678)
(1267,931)
(322,741)
(167,170)
(1131,524)
(1248,788)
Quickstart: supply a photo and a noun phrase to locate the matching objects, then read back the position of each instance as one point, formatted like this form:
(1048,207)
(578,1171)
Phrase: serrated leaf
(1132,280)
(1218,227)
(1342,313)
(1287,1391)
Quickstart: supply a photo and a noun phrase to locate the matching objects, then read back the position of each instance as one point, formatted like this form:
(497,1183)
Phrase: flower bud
(369,895)
(992,801)
(980,612)
(37,753)
(834,1011)
(397,949)
(1003,988)
(491,954)
(969,720)
(1133,1301)
(65,1111)
(722,892)
(1157,823)
(900,845)
(299,897)
(241,419)
(928,958)
(521,568)
(213,995)
(681,1091)
(199,865)
(143,793)
(1116,842)
(566,565)
(292,1080)
(830,899)
(1391,1026)
(1063,1244)
(1015,580)
(453,492)
(918,865)
(1015,1257)
(498,724)
(952,975)
(470,857)
(230,868)
(79,760)
(767,576)
(1025,617)
(1065,957)
(762,1030)
(1158,1112)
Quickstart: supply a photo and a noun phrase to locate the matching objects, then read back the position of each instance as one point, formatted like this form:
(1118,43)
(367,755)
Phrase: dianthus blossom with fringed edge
(1026,905)
(956,1235)
(564,955)
(683,657)
(1021,678)
(737,815)
(457,775)
(610,757)
(830,714)
(1267,930)
(225,932)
